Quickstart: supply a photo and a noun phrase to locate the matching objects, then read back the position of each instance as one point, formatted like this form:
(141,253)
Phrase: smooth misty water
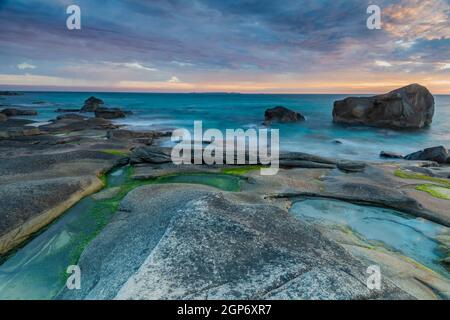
(316,135)
(38,269)
(413,237)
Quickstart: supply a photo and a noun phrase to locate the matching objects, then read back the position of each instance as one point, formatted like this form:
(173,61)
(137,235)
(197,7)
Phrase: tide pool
(415,238)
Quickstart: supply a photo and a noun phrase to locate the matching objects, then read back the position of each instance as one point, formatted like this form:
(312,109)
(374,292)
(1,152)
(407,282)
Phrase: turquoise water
(413,237)
(316,135)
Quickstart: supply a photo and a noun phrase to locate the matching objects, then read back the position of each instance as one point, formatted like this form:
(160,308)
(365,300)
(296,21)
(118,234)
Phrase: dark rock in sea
(337,141)
(38,102)
(3,117)
(437,154)
(73,123)
(192,242)
(91,104)
(13,112)
(351,166)
(67,110)
(391,155)
(282,115)
(110,113)
(10,93)
(410,107)
(73,116)
(148,154)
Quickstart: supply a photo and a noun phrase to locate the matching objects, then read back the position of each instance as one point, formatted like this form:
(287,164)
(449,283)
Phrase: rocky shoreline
(185,241)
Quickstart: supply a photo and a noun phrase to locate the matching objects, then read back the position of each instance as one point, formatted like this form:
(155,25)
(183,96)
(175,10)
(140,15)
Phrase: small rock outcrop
(282,115)
(391,155)
(3,117)
(13,112)
(410,107)
(92,104)
(110,113)
(10,93)
(60,110)
(437,154)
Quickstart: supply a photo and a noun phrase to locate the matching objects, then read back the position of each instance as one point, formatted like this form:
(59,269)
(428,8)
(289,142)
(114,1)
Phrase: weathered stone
(91,104)
(3,117)
(150,154)
(282,115)
(410,107)
(191,242)
(438,154)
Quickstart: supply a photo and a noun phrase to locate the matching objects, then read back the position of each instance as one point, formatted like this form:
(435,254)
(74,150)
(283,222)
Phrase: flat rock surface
(191,242)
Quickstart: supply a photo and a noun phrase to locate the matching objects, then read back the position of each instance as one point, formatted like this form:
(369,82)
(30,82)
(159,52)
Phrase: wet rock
(70,124)
(192,242)
(123,134)
(301,156)
(149,154)
(282,115)
(19,132)
(305,164)
(351,166)
(410,107)
(73,116)
(3,117)
(110,113)
(67,110)
(91,104)
(13,112)
(390,155)
(437,154)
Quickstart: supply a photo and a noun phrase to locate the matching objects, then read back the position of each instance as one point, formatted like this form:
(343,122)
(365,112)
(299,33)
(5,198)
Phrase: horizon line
(12,88)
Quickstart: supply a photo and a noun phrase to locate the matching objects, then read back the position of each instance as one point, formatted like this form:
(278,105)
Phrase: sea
(317,135)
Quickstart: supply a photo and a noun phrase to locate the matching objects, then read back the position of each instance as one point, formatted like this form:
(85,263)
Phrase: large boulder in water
(283,115)
(410,107)
(3,117)
(437,154)
(91,104)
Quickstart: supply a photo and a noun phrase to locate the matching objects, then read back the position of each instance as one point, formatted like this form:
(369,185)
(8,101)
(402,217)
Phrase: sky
(248,46)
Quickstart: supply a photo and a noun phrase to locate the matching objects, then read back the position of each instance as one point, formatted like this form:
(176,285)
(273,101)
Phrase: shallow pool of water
(37,270)
(413,237)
